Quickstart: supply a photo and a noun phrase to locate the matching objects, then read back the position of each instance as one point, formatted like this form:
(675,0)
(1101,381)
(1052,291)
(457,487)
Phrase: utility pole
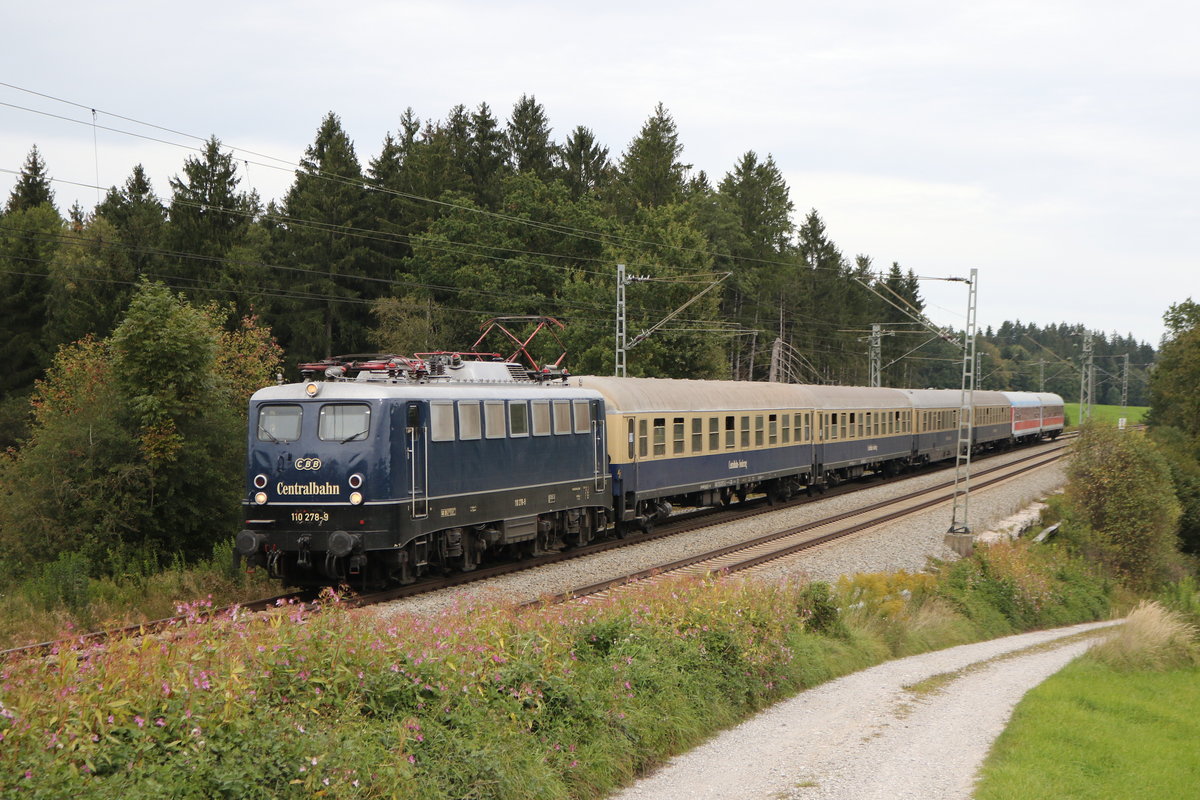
(622,282)
(1086,379)
(876,356)
(619,369)
(1125,382)
(959,536)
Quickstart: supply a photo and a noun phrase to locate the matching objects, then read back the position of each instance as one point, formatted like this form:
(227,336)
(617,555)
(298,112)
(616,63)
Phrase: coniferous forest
(131,327)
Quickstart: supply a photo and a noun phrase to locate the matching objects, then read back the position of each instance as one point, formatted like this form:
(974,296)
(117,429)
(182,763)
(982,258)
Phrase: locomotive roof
(632,395)
(376,390)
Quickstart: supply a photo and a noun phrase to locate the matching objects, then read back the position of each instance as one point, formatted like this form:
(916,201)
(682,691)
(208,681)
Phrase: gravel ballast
(907,544)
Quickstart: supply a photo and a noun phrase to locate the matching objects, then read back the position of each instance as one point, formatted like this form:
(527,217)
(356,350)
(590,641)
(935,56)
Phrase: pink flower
(140,722)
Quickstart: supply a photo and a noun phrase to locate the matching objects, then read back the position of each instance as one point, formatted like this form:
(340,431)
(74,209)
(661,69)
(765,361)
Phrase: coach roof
(634,395)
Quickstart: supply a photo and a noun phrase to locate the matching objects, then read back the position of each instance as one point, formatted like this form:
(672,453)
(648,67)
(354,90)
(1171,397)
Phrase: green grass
(1133,414)
(1093,731)
(566,702)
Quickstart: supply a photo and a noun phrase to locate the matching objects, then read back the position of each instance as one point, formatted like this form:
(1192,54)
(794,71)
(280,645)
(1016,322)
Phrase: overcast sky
(1051,145)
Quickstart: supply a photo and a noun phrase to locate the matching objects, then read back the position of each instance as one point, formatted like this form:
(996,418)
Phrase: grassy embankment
(562,702)
(62,597)
(1108,414)
(1122,721)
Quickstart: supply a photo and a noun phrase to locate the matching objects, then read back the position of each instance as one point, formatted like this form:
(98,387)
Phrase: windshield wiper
(353,436)
(262,430)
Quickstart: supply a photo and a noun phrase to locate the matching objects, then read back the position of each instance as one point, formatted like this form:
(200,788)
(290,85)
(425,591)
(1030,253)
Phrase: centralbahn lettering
(738,464)
(307,488)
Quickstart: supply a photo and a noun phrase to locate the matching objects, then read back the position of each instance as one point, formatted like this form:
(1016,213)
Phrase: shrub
(1152,638)
(1120,487)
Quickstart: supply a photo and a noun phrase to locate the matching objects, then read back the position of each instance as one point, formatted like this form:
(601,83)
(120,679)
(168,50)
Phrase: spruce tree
(583,163)
(527,142)
(651,172)
(324,214)
(32,188)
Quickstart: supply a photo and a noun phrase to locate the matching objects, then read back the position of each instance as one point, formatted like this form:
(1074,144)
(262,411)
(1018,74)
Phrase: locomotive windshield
(344,422)
(278,423)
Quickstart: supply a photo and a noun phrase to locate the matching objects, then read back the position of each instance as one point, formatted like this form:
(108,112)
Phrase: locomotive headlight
(355,480)
(260,481)
(311,388)
(261,498)
(355,498)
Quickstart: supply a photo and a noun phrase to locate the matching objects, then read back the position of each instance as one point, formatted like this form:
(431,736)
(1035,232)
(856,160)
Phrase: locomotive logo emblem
(309,464)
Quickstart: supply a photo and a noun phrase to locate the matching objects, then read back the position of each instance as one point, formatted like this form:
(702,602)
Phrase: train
(378,471)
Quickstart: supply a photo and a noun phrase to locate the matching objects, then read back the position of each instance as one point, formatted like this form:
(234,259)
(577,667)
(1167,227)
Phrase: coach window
(345,422)
(799,420)
(583,416)
(714,433)
(730,433)
(831,428)
(441,421)
(643,442)
(493,416)
(677,440)
(518,418)
(562,416)
(468,420)
(660,436)
(541,417)
(758,430)
(745,432)
(279,423)
(785,428)
(697,434)
(844,425)
(808,427)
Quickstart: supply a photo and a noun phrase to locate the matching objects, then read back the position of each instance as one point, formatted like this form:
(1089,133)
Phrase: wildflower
(140,722)
(160,722)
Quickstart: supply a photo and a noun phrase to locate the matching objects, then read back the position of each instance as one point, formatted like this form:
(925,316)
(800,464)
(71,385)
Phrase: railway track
(682,523)
(764,549)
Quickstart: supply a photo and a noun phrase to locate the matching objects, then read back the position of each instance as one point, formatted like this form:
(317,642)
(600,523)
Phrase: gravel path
(865,736)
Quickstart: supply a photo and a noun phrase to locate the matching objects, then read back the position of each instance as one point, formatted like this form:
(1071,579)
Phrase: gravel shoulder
(866,736)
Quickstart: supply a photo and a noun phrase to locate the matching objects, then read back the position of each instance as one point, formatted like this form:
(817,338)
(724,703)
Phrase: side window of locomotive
(518,418)
(583,416)
(562,416)
(541,417)
(468,420)
(493,417)
(279,423)
(441,421)
(344,422)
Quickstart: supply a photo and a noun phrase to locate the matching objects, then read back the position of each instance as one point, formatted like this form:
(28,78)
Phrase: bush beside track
(567,701)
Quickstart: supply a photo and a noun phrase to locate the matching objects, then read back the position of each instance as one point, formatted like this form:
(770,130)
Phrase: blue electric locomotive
(419,466)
